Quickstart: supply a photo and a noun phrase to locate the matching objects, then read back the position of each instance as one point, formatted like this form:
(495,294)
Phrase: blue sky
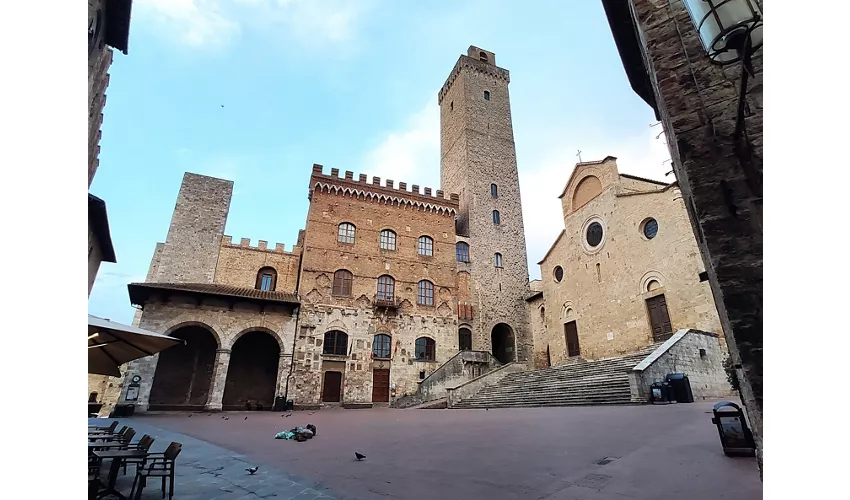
(351,85)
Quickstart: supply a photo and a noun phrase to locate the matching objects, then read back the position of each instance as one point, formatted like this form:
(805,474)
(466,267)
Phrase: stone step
(582,383)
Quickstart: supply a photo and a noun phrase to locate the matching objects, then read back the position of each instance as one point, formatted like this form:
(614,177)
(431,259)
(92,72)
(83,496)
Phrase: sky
(257,91)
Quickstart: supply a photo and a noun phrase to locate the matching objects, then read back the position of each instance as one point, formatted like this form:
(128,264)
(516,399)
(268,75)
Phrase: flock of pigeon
(253,470)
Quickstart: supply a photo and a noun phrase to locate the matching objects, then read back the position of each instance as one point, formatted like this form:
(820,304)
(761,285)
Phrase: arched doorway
(502,341)
(184,372)
(252,374)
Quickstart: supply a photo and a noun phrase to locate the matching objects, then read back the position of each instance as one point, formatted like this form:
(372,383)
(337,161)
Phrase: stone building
(712,116)
(109,27)
(385,285)
(625,271)
(479,164)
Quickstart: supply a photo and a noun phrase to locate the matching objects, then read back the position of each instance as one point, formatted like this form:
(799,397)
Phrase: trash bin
(281,404)
(123,411)
(735,437)
(681,387)
(660,393)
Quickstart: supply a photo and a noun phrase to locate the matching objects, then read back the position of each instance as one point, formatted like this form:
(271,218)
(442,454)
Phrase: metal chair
(144,444)
(110,428)
(157,465)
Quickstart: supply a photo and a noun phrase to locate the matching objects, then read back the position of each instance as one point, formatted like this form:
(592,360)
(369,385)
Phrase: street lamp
(727,27)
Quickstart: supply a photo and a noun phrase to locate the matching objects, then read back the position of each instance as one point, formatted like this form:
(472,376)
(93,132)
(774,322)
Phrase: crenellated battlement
(262,245)
(475,65)
(388,191)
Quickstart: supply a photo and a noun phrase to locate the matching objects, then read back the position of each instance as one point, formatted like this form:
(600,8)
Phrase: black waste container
(280,404)
(660,393)
(681,387)
(123,410)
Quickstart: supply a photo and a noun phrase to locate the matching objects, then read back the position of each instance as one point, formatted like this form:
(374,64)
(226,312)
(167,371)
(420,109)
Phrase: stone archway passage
(252,374)
(184,372)
(502,342)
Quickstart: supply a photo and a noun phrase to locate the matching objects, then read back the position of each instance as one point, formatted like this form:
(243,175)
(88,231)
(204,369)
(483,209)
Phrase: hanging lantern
(725,26)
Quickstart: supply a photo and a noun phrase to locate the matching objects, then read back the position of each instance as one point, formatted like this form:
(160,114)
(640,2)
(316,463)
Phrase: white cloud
(411,154)
(214,24)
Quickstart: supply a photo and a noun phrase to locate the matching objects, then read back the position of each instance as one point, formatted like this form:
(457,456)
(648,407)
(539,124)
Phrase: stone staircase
(583,383)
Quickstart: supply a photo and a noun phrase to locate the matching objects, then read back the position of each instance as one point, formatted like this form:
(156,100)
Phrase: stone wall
(537,321)
(191,249)
(699,355)
(466,390)
(238,265)
(361,325)
(477,150)
(226,326)
(720,174)
(100,59)
(605,288)
(460,368)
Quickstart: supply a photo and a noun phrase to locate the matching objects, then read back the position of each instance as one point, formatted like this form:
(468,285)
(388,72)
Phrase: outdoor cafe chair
(144,444)
(157,465)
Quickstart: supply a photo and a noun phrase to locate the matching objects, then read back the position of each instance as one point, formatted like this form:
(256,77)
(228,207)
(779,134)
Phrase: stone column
(283,372)
(219,377)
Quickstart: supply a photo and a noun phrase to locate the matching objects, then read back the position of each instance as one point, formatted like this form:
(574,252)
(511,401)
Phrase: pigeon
(312,412)
(227,418)
(253,469)
(190,415)
(359,455)
(222,105)
(246,418)
(288,415)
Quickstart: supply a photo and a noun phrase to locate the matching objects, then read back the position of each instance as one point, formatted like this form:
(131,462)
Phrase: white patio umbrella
(112,344)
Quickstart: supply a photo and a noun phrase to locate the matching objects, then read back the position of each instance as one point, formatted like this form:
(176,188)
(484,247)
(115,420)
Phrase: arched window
(425,349)
(462,251)
(486,95)
(497,217)
(93,397)
(266,279)
(346,233)
(387,239)
(482,56)
(386,287)
(426,293)
(381,346)
(494,190)
(336,342)
(497,259)
(464,339)
(342,283)
(426,246)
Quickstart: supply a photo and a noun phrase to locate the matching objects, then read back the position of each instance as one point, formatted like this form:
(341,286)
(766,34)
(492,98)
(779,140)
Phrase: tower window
(494,190)
(342,283)
(452,106)
(266,279)
(426,293)
(486,95)
(497,260)
(346,233)
(497,218)
(426,246)
(462,251)
(387,239)
(386,288)
(483,56)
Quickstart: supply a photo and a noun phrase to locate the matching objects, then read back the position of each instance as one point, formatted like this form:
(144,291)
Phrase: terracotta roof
(140,291)
(644,179)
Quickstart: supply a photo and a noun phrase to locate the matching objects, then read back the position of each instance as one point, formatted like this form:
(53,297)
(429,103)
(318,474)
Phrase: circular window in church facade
(649,228)
(559,274)
(594,234)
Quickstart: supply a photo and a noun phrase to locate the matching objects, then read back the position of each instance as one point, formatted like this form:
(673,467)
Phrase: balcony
(385,302)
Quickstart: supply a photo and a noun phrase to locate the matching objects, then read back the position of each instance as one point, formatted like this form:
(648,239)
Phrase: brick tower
(478,161)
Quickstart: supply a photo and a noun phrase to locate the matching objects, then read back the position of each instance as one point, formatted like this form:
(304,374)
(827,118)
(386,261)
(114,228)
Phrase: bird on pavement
(359,455)
(190,415)
(288,415)
(246,418)
(253,469)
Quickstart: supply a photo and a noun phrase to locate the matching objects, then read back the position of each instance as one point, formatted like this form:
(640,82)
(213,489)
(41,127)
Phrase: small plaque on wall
(610,335)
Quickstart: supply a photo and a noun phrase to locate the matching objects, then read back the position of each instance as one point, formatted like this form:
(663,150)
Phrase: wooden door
(380,386)
(659,318)
(332,387)
(571,335)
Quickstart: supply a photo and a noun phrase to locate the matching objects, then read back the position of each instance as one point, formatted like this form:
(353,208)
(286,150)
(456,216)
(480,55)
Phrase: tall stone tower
(478,161)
